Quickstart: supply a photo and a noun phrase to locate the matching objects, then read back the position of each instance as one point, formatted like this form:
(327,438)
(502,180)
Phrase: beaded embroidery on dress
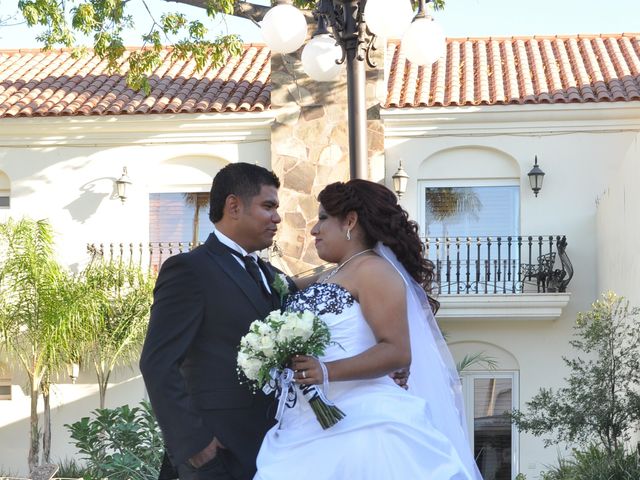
(387,433)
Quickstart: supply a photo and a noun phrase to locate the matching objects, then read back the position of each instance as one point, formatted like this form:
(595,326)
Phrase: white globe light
(319,58)
(424,42)
(284,29)
(388,18)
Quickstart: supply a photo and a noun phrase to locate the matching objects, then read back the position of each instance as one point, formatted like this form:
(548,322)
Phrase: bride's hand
(307,370)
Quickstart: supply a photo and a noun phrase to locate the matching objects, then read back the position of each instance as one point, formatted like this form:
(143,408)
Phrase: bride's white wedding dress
(388,433)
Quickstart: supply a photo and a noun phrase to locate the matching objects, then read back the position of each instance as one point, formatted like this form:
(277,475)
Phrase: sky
(460,18)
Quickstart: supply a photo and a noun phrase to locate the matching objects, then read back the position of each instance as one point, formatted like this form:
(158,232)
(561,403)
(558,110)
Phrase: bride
(375,305)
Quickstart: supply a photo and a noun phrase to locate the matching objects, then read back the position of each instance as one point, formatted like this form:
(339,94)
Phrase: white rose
(252,368)
(249,365)
(274,317)
(243,358)
(286,332)
(266,345)
(304,325)
(264,329)
(251,340)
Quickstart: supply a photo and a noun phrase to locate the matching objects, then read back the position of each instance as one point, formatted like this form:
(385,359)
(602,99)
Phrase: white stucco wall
(64,169)
(618,229)
(583,149)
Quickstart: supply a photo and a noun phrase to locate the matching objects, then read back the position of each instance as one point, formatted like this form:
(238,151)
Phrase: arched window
(470,218)
(489,394)
(470,192)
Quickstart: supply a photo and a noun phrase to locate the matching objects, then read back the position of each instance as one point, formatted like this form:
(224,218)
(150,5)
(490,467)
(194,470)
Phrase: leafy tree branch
(106,21)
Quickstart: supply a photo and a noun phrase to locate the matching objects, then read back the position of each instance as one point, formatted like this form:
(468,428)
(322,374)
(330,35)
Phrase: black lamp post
(353,41)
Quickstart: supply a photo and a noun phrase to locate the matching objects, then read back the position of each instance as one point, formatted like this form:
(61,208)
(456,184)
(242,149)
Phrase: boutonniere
(280,285)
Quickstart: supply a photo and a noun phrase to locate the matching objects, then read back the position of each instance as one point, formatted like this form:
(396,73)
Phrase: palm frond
(479,359)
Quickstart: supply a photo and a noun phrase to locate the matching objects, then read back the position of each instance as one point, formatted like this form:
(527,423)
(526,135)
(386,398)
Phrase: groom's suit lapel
(268,273)
(238,274)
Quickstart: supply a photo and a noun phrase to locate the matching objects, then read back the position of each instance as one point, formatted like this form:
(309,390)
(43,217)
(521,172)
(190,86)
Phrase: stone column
(309,148)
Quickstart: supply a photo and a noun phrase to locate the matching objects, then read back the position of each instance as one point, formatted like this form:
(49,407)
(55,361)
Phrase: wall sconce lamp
(400,180)
(536,176)
(122,184)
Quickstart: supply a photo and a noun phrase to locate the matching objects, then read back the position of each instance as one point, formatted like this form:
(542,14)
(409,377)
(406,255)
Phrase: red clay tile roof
(35,83)
(520,70)
(480,71)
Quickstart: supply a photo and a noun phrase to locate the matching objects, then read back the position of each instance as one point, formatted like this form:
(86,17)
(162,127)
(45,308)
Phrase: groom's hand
(206,455)
(401,377)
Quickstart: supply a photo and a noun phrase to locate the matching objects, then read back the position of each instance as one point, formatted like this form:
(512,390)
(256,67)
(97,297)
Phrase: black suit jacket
(204,301)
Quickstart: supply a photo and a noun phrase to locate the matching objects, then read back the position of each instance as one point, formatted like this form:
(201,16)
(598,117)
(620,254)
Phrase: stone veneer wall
(309,148)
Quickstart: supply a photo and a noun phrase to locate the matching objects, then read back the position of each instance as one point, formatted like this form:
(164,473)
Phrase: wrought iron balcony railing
(470,265)
(149,255)
(482,265)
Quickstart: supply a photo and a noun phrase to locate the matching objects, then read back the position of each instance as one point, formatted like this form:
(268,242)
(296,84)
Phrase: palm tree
(447,202)
(198,200)
(121,294)
(38,312)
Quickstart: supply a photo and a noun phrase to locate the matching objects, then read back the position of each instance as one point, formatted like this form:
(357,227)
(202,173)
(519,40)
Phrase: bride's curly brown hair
(382,220)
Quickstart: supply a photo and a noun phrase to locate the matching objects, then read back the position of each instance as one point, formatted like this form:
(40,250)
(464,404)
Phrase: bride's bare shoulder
(376,270)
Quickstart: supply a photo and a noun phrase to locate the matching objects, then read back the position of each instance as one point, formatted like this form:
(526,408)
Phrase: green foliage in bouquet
(123,443)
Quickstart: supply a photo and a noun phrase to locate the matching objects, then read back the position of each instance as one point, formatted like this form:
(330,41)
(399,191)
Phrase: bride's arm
(381,294)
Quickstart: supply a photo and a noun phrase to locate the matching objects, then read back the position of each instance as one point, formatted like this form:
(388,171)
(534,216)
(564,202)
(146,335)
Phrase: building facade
(513,268)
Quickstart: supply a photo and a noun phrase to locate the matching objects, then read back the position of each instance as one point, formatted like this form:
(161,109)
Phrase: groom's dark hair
(242,179)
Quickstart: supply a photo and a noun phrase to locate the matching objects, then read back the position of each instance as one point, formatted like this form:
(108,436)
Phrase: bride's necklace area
(339,267)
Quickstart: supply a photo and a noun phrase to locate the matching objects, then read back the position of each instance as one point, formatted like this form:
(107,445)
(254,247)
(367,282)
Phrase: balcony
(523,277)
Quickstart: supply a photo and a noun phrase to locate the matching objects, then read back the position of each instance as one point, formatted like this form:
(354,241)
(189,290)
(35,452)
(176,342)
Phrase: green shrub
(596,463)
(123,443)
(69,468)
(600,403)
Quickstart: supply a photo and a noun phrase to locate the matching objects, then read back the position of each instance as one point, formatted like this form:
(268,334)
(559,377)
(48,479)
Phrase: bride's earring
(349,234)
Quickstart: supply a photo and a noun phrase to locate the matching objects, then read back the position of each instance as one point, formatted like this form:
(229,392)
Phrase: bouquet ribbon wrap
(282,383)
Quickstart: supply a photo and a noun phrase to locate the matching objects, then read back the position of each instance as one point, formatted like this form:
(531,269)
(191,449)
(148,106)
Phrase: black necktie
(252,269)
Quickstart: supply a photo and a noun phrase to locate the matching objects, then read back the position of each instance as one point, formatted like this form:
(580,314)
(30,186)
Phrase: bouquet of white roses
(267,349)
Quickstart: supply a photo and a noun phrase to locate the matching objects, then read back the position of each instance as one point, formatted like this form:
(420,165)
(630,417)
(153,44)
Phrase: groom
(204,301)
